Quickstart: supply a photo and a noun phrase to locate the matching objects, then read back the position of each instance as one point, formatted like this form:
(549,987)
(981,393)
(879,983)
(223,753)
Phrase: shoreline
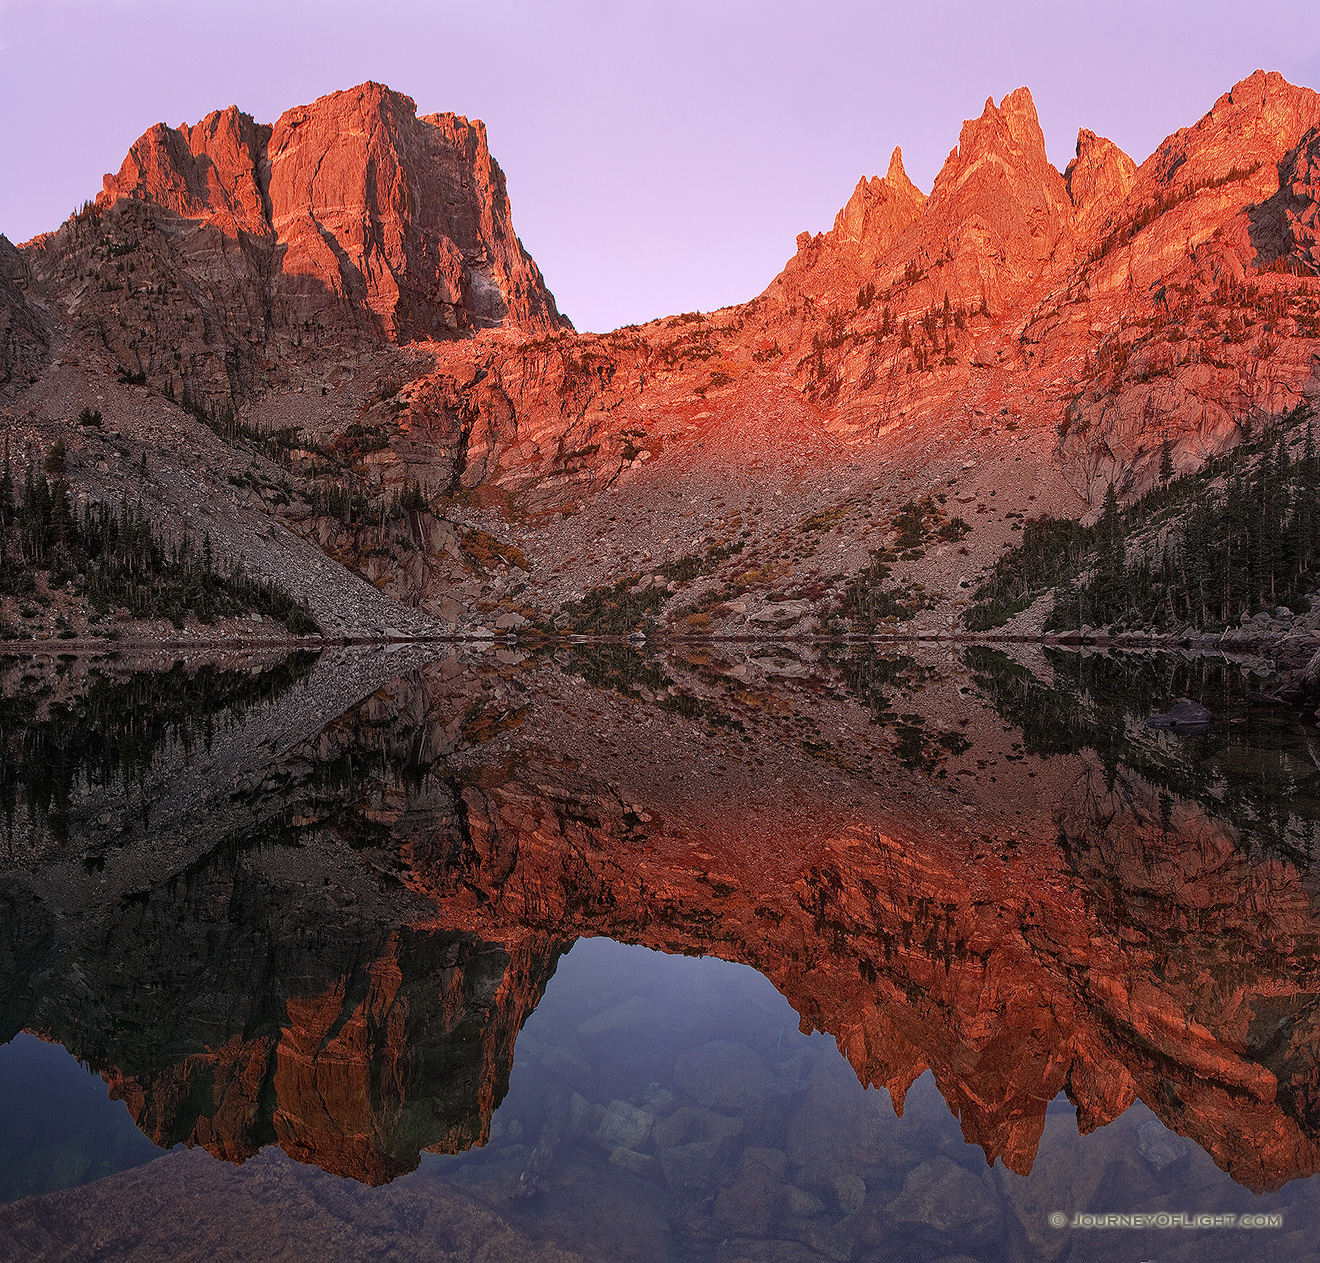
(1235,641)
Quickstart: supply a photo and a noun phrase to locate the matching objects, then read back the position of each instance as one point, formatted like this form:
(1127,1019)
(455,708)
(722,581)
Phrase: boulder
(688,1125)
(721,1075)
(631,1161)
(1184,716)
(624,1126)
(850,1190)
(780,612)
(750,1204)
(947,1197)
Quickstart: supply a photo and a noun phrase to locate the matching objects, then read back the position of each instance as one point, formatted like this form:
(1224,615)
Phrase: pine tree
(1166,460)
(1109,587)
(7,493)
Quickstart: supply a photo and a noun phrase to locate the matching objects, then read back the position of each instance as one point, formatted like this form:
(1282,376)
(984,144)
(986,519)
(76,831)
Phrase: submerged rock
(624,1126)
(800,1202)
(721,1074)
(750,1203)
(851,1192)
(696,1146)
(631,1161)
(948,1198)
(1184,716)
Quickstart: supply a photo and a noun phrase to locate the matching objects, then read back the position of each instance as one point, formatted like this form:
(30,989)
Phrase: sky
(661,155)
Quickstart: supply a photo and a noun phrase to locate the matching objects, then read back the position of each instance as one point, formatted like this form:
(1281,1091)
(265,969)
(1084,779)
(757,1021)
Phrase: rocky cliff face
(402,1052)
(24,339)
(1052,332)
(1106,939)
(1056,331)
(1021,986)
(351,216)
(1110,304)
(1099,178)
(402,221)
(868,225)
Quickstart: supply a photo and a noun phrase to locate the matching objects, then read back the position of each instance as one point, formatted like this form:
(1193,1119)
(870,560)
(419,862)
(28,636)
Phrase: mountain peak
(1020,104)
(997,207)
(208,171)
(880,208)
(1009,133)
(1238,140)
(897,176)
(1098,179)
(400,222)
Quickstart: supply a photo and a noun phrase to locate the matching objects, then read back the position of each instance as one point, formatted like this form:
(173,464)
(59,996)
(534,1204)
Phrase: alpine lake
(723,952)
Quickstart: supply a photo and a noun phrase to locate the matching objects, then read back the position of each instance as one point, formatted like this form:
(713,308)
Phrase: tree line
(112,555)
(1239,536)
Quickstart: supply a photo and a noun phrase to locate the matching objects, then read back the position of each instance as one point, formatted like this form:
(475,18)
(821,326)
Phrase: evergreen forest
(1201,551)
(113,557)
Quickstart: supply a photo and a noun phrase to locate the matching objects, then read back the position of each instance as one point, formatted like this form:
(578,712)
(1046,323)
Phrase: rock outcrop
(1099,178)
(220,251)
(402,221)
(1065,330)
(1109,304)
(873,218)
(996,213)
(24,338)
(1284,227)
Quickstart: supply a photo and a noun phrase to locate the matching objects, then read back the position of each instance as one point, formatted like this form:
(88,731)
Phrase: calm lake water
(737,954)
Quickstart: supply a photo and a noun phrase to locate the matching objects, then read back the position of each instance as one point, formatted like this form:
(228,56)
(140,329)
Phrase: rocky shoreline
(1286,662)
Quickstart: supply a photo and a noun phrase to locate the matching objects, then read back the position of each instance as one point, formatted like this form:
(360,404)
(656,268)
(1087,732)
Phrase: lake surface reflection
(596,954)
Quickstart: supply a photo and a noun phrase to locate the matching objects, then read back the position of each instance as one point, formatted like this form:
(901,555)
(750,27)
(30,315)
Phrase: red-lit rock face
(1100,302)
(1106,946)
(363,1076)
(209,171)
(993,219)
(1004,975)
(1060,927)
(864,231)
(359,205)
(1093,308)
(1055,332)
(1099,179)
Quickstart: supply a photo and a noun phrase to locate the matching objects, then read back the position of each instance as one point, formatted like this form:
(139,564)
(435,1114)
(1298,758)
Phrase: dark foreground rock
(272,1208)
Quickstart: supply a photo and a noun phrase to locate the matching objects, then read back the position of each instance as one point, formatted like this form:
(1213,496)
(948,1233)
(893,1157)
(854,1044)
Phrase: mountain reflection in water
(311,904)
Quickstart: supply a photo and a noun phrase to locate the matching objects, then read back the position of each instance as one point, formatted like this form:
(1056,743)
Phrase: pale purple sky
(662,155)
